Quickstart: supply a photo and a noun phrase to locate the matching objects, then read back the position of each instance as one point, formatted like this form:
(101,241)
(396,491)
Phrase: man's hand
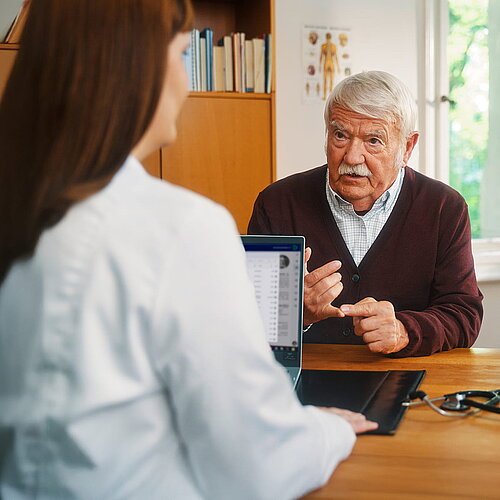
(376,322)
(321,287)
(357,420)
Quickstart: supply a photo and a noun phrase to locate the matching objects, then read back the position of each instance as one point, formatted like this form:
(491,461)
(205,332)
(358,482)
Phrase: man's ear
(411,142)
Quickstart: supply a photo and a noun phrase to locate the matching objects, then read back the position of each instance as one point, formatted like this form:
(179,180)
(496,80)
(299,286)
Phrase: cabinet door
(223,151)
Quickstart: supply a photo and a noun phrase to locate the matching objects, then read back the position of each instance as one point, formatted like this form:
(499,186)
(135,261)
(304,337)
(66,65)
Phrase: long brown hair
(82,92)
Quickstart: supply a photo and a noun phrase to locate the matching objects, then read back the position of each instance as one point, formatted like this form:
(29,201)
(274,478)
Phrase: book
(242,65)
(208,35)
(195,45)
(203,64)
(219,78)
(228,65)
(249,82)
(236,62)
(259,65)
(17,26)
(268,62)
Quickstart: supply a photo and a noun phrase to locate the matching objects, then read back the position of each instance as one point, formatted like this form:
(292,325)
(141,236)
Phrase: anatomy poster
(326,59)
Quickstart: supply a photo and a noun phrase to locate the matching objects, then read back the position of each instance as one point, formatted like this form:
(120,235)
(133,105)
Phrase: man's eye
(374,141)
(338,134)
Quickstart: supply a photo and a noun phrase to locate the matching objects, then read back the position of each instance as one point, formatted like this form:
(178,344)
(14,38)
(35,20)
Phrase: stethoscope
(459,403)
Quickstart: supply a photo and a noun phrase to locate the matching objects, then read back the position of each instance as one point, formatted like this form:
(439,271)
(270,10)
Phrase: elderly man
(391,248)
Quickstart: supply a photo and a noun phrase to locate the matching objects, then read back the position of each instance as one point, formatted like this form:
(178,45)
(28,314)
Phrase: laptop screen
(276,267)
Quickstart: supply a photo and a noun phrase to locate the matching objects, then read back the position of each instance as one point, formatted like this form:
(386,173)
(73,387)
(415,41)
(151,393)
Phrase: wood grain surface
(430,457)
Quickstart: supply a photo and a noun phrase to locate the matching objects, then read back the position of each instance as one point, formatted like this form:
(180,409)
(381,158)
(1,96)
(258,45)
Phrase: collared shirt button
(355,278)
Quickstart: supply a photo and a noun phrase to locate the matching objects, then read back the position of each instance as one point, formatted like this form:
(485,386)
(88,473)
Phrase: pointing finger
(307,256)
(365,307)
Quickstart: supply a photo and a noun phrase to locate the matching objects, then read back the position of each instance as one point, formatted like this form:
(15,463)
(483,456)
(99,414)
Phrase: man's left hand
(376,322)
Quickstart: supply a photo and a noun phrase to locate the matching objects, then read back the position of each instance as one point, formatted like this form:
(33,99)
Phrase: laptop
(276,267)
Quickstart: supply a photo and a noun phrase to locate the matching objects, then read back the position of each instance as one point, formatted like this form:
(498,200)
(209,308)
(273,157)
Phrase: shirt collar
(385,202)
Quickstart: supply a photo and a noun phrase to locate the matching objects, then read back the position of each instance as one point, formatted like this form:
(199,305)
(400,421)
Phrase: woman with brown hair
(133,362)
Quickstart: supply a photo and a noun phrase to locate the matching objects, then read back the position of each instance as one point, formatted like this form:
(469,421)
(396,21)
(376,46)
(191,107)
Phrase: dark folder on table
(276,266)
(376,394)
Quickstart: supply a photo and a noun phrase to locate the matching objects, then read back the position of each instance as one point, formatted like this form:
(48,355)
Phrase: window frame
(433,87)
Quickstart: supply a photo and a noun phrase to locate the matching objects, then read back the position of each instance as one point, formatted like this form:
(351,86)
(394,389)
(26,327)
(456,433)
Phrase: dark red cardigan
(421,261)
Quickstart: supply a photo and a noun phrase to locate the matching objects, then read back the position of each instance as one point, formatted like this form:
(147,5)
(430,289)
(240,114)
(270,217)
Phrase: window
(460,89)
(470,61)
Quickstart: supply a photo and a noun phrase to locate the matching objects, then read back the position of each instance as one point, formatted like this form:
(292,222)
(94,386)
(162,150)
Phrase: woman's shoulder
(136,195)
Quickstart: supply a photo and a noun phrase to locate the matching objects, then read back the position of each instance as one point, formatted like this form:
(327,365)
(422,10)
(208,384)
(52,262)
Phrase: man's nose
(354,154)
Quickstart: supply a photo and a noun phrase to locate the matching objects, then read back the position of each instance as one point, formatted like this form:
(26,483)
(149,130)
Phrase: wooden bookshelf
(226,140)
(226,144)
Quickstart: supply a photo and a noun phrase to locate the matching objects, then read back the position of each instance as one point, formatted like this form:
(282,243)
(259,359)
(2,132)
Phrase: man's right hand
(321,287)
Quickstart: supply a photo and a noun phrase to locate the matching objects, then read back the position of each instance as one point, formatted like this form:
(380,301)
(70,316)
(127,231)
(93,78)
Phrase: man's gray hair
(376,94)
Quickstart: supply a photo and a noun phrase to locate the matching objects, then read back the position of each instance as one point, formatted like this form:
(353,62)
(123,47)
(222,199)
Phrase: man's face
(374,146)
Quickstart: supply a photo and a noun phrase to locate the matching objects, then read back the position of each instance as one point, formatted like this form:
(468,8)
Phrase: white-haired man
(407,286)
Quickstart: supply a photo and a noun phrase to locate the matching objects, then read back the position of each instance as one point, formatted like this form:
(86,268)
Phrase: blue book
(268,49)
(188,63)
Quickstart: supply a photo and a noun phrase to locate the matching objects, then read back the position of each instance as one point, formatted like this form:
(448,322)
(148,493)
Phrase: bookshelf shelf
(232,95)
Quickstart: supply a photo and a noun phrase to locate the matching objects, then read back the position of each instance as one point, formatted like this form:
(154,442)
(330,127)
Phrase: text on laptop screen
(275,270)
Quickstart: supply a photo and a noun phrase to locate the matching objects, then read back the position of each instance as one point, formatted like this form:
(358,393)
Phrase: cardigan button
(355,278)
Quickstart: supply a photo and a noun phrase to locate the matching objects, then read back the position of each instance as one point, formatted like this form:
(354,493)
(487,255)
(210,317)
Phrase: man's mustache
(361,169)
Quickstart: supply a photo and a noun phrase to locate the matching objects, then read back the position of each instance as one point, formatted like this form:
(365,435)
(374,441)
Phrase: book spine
(196,59)
(249,84)
(258,68)
(268,62)
(228,51)
(203,63)
(236,62)
(210,58)
(242,65)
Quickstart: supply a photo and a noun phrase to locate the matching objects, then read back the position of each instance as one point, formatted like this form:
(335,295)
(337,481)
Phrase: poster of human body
(326,59)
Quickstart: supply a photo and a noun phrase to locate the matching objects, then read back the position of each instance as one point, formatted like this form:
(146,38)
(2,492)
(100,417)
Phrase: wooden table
(430,456)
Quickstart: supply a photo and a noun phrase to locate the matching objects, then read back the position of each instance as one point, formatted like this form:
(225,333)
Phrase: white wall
(383,36)
(490,331)
(8,11)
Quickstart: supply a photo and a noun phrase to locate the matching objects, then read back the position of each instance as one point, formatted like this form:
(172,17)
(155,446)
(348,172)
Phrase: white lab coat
(134,365)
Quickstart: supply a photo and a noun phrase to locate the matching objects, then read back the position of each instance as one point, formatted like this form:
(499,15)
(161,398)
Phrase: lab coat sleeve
(245,434)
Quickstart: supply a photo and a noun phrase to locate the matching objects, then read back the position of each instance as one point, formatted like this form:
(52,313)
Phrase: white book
(259,65)
(243,72)
(219,78)
(228,66)
(195,48)
(249,85)
(203,64)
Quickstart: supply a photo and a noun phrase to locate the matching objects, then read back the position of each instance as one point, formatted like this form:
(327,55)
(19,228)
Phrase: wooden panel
(220,16)
(7,57)
(223,151)
(253,17)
